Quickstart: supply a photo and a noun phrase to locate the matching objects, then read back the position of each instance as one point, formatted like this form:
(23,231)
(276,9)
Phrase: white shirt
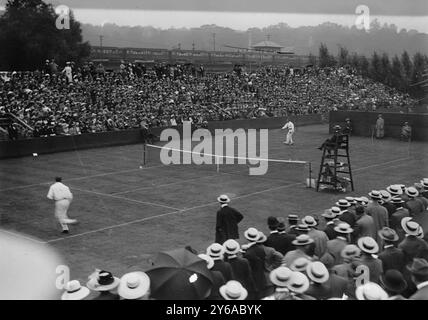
(59,191)
(290,126)
(67,71)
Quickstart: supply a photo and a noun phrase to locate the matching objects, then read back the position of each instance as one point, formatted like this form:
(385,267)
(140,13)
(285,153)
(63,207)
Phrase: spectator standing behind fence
(380,127)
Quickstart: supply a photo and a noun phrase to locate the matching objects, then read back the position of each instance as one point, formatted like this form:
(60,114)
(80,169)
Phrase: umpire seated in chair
(336,139)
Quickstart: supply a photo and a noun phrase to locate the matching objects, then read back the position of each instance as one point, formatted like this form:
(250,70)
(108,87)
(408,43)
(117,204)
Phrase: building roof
(267,44)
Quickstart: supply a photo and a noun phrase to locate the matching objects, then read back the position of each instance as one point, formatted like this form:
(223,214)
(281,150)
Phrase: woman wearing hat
(369,248)
(227,221)
(104,283)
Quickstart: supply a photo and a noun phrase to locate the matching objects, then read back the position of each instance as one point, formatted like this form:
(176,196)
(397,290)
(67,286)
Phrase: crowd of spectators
(88,98)
(367,248)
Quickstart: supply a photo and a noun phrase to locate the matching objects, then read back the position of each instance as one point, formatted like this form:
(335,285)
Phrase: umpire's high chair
(334,173)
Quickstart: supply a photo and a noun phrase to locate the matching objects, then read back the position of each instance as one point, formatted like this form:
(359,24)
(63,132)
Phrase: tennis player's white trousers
(61,208)
(289,138)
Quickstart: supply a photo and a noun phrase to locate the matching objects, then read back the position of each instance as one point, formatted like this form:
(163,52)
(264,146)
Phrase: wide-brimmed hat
(328,214)
(370,291)
(412,192)
(343,228)
(262,237)
(350,251)
(388,234)
(424,182)
(397,200)
(317,272)
(351,200)
(280,276)
(419,267)
(75,291)
(386,196)
(281,224)
(251,234)
(393,281)
(302,227)
(134,285)
(368,245)
(224,198)
(272,222)
(231,246)
(302,240)
(394,190)
(299,264)
(208,259)
(215,250)
(102,281)
(233,290)
(375,194)
(298,283)
(410,226)
(293,217)
(343,203)
(309,221)
(420,233)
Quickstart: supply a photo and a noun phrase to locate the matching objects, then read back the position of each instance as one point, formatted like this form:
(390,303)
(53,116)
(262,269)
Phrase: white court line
(170,213)
(381,164)
(127,199)
(81,178)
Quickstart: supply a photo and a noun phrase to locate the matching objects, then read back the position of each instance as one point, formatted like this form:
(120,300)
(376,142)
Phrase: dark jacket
(242,271)
(225,269)
(392,258)
(281,242)
(227,224)
(329,231)
(256,256)
(218,281)
(348,217)
(107,295)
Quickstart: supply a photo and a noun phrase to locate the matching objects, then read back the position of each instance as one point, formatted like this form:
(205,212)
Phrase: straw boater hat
(343,203)
(402,187)
(300,264)
(251,234)
(368,245)
(280,276)
(302,240)
(223,198)
(351,200)
(298,283)
(262,237)
(317,272)
(208,259)
(74,291)
(233,290)
(424,183)
(394,190)
(302,227)
(388,234)
(103,281)
(412,192)
(293,217)
(410,226)
(370,291)
(331,213)
(386,196)
(309,221)
(134,285)
(393,281)
(397,200)
(350,251)
(231,247)
(375,194)
(215,251)
(343,228)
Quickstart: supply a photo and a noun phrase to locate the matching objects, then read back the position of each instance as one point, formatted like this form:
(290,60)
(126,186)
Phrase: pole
(101,40)
(214,41)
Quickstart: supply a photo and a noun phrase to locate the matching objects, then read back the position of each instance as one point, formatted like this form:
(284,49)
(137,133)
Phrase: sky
(244,14)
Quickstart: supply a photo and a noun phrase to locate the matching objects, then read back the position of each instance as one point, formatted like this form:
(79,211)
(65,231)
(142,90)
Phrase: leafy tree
(397,75)
(325,58)
(28,36)
(385,72)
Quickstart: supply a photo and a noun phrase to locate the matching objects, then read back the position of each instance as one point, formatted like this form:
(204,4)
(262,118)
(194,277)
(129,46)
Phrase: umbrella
(179,275)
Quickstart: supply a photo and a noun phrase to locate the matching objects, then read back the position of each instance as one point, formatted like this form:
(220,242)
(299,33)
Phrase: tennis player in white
(290,127)
(62,196)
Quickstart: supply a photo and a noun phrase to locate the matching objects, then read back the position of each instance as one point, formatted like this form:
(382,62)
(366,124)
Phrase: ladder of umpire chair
(336,147)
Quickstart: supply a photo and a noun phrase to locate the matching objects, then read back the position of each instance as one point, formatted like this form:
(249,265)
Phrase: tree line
(406,73)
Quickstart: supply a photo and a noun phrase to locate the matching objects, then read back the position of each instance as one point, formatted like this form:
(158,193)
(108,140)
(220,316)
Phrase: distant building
(267,45)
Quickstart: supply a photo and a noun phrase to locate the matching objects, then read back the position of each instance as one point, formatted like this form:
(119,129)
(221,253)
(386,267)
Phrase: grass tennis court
(128,213)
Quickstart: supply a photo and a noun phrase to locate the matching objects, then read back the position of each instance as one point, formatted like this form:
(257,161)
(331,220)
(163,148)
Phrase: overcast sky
(244,14)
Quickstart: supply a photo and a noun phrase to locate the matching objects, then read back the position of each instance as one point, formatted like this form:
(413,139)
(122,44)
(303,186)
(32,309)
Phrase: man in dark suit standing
(227,221)
(391,256)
